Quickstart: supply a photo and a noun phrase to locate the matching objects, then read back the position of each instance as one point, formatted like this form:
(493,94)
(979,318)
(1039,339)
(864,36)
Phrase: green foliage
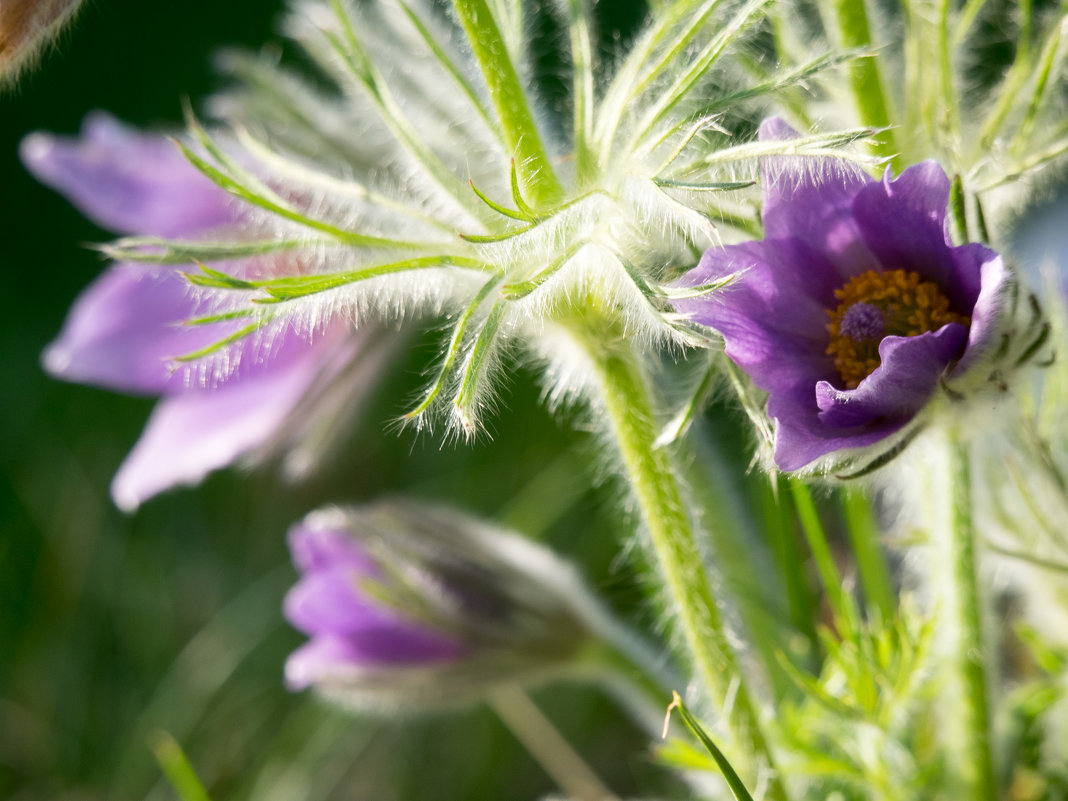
(865,725)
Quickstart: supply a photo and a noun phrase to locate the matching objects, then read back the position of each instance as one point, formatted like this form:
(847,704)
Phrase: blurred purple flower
(267,396)
(855,305)
(349,630)
(413,606)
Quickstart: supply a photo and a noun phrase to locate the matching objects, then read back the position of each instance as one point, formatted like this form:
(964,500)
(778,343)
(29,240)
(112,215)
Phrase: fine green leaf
(509,99)
(497,207)
(681,87)
(216,279)
(478,365)
(734,781)
(224,181)
(722,186)
(453,350)
(222,343)
(299,286)
(155,250)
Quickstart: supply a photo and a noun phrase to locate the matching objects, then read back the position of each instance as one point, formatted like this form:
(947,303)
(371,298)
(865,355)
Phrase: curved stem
(652,479)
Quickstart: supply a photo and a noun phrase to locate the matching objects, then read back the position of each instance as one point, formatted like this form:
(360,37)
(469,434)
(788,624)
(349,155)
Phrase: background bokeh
(116,627)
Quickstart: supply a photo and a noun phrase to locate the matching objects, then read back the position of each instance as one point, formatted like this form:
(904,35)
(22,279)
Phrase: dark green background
(113,627)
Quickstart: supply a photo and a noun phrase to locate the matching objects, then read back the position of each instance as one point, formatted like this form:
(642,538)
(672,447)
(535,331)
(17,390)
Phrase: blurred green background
(115,627)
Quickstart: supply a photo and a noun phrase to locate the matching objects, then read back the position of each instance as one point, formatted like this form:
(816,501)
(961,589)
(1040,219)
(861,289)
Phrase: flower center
(874,305)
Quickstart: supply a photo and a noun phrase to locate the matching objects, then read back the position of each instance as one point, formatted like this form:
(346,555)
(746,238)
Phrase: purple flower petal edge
(125,331)
(127,181)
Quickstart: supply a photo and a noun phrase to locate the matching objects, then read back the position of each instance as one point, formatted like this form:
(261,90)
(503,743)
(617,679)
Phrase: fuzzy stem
(977,767)
(851,19)
(734,540)
(510,101)
(582,63)
(804,614)
(649,472)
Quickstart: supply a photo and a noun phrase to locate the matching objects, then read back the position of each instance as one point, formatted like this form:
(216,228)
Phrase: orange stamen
(909,306)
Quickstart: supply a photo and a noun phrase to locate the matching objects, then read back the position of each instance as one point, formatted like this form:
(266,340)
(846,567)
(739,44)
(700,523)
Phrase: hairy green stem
(651,476)
(509,100)
(851,20)
(976,763)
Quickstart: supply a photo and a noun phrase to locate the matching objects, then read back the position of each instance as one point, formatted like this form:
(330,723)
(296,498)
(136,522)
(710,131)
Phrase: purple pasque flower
(854,308)
(409,605)
(268,395)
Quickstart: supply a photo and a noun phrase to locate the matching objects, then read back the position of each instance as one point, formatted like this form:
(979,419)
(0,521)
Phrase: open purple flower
(854,308)
(272,395)
(413,606)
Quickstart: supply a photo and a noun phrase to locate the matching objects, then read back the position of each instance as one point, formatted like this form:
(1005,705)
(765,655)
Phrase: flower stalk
(649,473)
(509,99)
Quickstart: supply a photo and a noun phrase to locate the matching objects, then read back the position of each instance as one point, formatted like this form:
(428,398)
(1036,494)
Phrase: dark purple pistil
(863,322)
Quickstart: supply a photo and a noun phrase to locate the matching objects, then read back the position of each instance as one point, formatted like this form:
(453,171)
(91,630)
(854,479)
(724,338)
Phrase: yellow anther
(892,303)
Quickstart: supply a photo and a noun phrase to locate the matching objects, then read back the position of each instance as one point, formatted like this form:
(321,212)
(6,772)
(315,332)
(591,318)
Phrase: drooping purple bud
(408,605)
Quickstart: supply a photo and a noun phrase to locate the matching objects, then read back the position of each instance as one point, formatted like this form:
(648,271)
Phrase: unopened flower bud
(412,606)
(25,27)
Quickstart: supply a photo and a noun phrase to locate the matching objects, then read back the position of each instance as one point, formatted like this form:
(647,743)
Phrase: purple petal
(811,200)
(903,223)
(801,438)
(824,226)
(908,373)
(319,660)
(996,282)
(123,332)
(332,602)
(320,543)
(127,181)
(825,419)
(774,317)
(200,430)
(326,659)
